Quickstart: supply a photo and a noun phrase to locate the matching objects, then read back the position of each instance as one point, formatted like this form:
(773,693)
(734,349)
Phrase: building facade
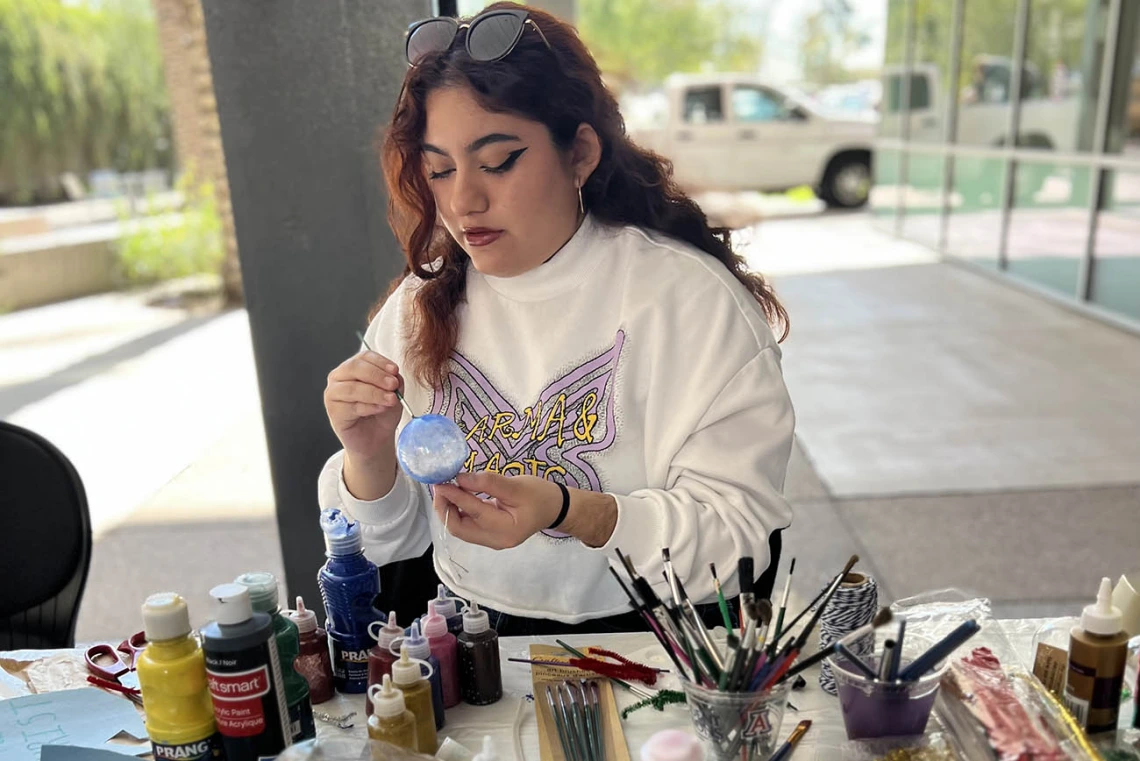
(1010,141)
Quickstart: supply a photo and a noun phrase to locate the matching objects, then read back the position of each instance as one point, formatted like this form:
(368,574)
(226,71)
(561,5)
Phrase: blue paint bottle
(348,583)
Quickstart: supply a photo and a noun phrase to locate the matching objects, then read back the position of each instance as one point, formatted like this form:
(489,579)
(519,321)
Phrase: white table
(468,724)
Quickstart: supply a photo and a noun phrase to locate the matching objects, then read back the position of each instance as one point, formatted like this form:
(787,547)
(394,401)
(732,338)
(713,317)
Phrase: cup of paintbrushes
(874,701)
(737,726)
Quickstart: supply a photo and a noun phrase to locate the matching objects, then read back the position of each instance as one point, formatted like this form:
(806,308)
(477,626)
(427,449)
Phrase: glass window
(703,105)
(1049,224)
(987,67)
(974,229)
(1063,52)
(923,198)
(885,192)
(930,71)
(756,104)
(919,92)
(1124,113)
(1116,266)
(893,70)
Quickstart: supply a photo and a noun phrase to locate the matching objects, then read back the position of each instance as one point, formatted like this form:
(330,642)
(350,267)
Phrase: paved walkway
(953,431)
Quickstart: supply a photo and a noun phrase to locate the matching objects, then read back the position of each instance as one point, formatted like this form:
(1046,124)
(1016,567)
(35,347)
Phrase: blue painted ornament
(431,449)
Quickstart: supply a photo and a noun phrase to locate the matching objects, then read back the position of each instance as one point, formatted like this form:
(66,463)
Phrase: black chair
(45,542)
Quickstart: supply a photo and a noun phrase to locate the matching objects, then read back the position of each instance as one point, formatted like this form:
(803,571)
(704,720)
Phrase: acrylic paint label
(249,701)
(238,707)
(350,666)
(1050,666)
(203,750)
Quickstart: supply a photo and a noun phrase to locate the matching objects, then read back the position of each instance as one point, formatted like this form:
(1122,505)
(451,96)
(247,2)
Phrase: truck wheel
(847,182)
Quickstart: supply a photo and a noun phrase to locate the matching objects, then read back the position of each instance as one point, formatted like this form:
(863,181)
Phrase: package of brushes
(576,711)
(737,693)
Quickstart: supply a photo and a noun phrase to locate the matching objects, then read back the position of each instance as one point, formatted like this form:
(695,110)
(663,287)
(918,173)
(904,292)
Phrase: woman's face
(502,188)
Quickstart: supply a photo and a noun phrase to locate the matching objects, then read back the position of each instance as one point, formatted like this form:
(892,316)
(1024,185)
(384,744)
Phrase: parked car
(737,132)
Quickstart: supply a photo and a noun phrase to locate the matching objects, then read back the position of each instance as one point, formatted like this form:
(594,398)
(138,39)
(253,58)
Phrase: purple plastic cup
(879,709)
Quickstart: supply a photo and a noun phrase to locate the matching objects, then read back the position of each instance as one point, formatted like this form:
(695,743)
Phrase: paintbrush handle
(940,651)
(407,407)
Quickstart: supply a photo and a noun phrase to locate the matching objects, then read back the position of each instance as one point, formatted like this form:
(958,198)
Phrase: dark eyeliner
(506,165)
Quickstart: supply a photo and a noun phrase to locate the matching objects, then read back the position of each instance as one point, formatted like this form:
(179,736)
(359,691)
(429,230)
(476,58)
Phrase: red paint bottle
(314,662)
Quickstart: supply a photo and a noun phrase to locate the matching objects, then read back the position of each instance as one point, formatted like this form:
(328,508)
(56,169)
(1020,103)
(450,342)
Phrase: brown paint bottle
(1098,651)
(480,673)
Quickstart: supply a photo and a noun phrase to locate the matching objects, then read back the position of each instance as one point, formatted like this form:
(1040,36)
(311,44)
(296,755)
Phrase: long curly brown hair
(560,87)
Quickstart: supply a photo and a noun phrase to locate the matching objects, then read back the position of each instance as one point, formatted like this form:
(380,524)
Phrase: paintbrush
(885,661)
(720,601)
(745,578)
(641,692)
(559,724)
(407,407)
(811,624)
(810,606)
(939,651)
(671,576)
(784,601)
(882,618)
(896,654)
(797,734)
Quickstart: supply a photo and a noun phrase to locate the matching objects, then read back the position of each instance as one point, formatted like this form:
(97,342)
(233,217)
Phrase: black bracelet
(565,508)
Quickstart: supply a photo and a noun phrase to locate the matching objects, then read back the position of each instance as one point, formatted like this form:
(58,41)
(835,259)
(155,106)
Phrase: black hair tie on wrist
(565,507)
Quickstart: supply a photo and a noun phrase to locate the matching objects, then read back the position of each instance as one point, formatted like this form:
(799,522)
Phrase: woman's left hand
(519,507)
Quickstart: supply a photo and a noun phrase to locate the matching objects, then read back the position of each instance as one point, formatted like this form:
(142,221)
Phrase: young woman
(607,355)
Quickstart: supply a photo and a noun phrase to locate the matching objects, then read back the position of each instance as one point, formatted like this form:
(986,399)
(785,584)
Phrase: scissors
(113,668)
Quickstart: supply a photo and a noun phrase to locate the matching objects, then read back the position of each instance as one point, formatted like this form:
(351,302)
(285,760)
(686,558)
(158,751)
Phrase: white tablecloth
(468,724)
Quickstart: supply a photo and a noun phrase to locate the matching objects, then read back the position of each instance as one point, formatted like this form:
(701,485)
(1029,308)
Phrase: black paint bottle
(480,673)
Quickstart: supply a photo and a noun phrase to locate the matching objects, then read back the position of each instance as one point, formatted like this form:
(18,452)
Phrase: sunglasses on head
(490,36)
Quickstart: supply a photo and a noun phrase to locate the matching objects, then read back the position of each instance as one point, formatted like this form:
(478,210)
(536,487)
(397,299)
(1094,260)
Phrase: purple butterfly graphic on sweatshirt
(572,417)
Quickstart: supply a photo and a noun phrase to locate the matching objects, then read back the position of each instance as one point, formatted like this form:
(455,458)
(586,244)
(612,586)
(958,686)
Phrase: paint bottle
(380,657)
(313,663)
(262,587)
(672,745)
(419,649)
(391,722)
(407,674)
(480,673)
(244,673)
(1098,652)
(445,648)
(172,677)
(348,583)
(448,607)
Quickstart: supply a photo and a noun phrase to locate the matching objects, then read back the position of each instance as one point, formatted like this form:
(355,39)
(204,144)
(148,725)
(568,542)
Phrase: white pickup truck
(738,132)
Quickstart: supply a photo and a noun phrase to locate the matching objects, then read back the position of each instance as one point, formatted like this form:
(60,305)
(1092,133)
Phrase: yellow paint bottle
(391,722)
(408,675)
(172,678)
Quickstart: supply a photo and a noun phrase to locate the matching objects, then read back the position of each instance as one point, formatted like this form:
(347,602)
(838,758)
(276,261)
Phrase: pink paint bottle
(445,648)
(380,658)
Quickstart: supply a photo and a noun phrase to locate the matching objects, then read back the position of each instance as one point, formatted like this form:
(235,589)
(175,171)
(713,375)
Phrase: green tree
(830,37)
(81,88)
(643,41)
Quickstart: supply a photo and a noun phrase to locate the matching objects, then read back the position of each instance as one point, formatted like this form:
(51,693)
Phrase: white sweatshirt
(629,363)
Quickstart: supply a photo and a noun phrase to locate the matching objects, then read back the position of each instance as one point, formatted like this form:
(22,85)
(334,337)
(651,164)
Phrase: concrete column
(301,88)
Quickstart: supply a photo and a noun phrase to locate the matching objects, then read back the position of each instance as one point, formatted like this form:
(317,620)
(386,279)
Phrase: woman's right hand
(362,406)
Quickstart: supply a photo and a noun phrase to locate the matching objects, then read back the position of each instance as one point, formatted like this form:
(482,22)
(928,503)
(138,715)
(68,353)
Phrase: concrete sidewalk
(952,431)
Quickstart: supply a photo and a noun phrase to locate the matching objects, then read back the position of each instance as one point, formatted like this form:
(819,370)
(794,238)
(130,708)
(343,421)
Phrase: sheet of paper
(76,753)
(614,738)
(85,717)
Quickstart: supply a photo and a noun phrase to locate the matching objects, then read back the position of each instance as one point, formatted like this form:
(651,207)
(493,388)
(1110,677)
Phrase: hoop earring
(581,203)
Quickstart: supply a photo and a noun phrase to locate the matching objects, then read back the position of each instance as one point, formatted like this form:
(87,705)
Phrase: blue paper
(76,753)
(85,717)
